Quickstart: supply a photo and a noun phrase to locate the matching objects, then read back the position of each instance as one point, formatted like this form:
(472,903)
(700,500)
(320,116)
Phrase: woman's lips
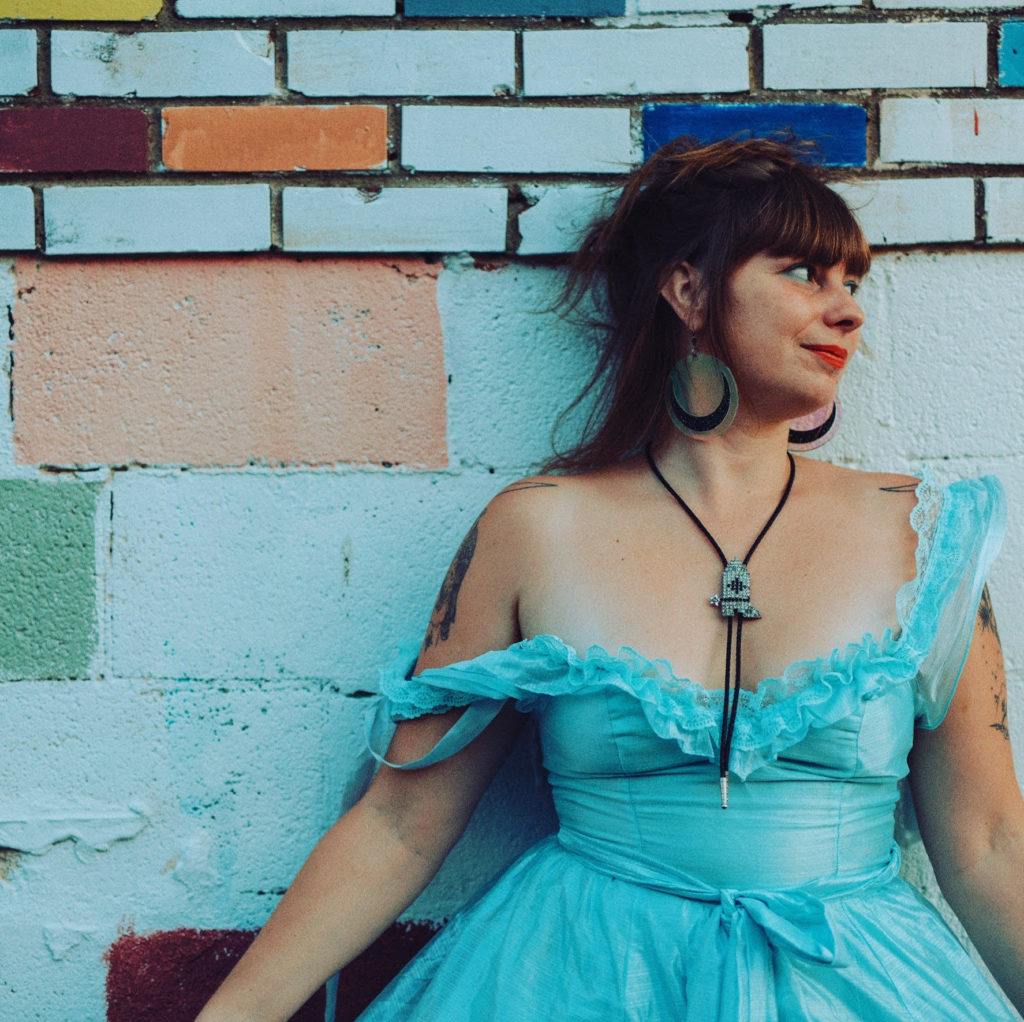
(829,353)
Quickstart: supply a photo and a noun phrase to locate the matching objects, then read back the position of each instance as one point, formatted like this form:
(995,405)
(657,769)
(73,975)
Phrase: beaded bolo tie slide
(733,602)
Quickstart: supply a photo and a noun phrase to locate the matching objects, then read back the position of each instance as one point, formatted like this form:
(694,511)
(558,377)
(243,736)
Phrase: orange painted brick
(244,138)
(227,361)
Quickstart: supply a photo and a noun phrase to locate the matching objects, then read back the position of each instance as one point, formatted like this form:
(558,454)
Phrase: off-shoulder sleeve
(961,528)
(481,685)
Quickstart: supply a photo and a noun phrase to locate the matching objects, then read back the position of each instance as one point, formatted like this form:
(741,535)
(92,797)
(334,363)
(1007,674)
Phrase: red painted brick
(168,976)
(364,977)
(70,139)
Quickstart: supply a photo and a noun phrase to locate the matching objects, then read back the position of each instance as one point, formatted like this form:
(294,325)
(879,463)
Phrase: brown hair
(712,206)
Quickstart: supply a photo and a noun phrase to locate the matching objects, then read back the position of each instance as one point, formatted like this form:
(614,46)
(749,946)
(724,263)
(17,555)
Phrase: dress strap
(476,717)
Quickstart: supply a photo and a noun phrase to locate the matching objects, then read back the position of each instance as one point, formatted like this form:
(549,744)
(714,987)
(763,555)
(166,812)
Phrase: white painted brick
(281,575)
(952,131)
(514,364)
(401,63)
(557,139)
(17,217)
(711,6)
(155,218)
(909,212)
(1004,208)
(17,61)
(949,5)
(214,63)
(929,55)
(559,215)
(395,220)
(283,8)
(630,61)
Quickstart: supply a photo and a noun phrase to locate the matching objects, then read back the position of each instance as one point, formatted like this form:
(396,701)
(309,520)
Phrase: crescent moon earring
(816,429)
(701,394)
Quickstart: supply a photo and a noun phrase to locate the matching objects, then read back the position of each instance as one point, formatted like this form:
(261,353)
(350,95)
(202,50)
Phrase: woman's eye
(801,271)
(853,286)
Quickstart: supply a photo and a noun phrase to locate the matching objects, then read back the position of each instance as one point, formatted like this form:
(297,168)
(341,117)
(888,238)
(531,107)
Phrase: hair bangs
(806,219)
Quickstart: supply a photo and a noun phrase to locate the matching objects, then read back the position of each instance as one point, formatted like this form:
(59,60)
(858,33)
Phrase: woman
(728,275)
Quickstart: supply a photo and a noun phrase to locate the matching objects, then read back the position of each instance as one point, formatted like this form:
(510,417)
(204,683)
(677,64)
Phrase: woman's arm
(971,812)
(378,857)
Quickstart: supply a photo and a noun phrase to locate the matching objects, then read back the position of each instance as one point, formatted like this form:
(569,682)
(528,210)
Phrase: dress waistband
(750,922)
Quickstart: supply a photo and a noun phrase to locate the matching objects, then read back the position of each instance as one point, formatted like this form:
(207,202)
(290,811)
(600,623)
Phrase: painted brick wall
(257,391)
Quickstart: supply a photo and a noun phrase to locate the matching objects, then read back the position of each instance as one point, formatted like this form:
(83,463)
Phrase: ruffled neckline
(778,713)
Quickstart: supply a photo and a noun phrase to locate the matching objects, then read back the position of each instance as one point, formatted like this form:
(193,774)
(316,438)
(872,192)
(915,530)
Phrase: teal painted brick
(17,61)
(17,217)
(1011,53)
(47,579)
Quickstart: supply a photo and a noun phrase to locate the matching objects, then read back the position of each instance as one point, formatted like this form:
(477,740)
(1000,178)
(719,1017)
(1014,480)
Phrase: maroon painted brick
(72,139)
(364,977)
(168,976)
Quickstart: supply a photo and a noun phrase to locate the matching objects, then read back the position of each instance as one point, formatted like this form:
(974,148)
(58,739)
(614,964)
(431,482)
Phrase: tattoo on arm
(902,488)
(986,616)
(987,622)
(443,616)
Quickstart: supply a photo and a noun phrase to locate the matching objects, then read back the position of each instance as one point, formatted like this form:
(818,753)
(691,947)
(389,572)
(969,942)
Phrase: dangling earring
(816,429)
(689,381)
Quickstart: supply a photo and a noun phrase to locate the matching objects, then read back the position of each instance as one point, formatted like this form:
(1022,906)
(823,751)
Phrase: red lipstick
(829,353)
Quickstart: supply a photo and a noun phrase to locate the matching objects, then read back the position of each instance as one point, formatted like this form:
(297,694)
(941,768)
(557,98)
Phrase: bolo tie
(733,602)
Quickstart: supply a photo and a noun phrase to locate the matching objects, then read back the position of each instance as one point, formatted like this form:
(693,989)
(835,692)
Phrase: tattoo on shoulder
(1001,724)
(515,487)
(986,616)
(443,616)
(902,488)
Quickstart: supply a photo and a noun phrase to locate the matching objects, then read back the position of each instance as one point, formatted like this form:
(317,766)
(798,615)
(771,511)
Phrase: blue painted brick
(838,129)
(1011,53)
(513,8)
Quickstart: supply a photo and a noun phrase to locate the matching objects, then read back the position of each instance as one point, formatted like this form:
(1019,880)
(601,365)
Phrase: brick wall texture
(277,277)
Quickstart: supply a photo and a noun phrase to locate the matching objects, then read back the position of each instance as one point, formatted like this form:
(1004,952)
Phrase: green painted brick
(47,578)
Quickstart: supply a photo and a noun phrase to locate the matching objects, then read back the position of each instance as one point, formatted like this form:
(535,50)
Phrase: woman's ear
(682,291)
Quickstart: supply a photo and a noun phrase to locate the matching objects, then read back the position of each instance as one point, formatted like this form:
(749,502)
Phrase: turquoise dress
(652,904)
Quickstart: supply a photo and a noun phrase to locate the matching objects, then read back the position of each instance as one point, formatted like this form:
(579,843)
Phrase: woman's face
(791,328)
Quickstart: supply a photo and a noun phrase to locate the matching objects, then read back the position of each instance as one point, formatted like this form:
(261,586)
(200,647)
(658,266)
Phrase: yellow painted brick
(81,10)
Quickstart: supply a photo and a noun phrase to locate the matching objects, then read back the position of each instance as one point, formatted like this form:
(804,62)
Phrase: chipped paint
(36,832)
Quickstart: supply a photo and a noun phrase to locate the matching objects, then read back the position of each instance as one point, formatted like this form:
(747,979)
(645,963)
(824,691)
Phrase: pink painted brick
(283,8)
(228,361)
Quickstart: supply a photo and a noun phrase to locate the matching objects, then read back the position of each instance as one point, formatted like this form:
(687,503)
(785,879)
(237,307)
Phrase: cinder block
(283,575)
(156,218)
(17,217)
(1004,208)
(81,10)
(17,61)
(514,364)
(275,138)
(556,139)
(395,220)
(228,361)
(952,131)
(514,8)
(401,63)
(73,139)
(47,579)
(283,8)
(559,216)
(211,63)
(918,55)
(1011,53)
(909,211)
(630,61)
(839,129)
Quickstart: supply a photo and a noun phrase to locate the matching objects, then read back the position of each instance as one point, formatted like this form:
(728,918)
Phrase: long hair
(712,206)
